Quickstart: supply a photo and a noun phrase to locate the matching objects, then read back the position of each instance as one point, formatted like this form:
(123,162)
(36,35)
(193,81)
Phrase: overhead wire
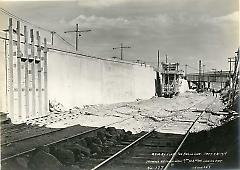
(47,30)
(192,67)
(33,25)
(64,40)
(24,21)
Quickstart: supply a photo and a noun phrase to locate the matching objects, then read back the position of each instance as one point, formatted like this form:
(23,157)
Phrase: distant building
(170,78)
(212,79)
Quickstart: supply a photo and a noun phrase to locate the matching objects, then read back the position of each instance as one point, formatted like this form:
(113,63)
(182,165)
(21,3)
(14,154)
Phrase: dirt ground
(167,115)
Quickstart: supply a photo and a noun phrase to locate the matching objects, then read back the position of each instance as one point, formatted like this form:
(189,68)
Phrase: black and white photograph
(119,84)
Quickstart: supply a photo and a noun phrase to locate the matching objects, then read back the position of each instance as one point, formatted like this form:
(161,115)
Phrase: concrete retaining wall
(77,81)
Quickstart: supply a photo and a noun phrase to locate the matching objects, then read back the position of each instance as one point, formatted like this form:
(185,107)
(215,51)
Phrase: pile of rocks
(70,154)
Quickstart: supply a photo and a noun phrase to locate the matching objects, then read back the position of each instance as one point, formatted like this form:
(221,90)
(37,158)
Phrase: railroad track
(144,140)
(145,152)
(13,133)
(8,153)
(141,151)
(152,150)
(10,146)
(15,137)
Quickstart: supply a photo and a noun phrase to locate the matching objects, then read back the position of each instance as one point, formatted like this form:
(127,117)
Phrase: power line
(64,40)
(33,25)
(192,67)
(23,20)
(77,54)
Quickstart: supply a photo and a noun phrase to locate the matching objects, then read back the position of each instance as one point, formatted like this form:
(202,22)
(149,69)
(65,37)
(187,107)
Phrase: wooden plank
(19,73)
(33,75)
(11,95)
(39,74)
(26,73)
(45,78)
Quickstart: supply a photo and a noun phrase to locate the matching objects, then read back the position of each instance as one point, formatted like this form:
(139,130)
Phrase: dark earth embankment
(214,149)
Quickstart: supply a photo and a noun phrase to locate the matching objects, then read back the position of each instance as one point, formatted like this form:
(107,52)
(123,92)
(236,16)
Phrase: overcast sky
(186,30)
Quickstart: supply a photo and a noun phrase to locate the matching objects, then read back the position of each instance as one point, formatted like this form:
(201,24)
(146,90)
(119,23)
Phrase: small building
(170,76)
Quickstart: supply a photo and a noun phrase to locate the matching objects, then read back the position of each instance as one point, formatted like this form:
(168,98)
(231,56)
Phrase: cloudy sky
(186,30)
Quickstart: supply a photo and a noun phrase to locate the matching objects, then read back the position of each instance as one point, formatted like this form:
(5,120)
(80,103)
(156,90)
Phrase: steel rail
(29,137)
(16,126)
(55,142)
(61,140)
(11,128)
(185,137)
(121,151)
(60,129)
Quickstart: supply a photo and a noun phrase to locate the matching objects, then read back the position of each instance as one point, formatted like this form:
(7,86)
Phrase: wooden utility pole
(77,31)
(233,86)
(158,82)
(199,77)
(76,37)
(121,49)
(236,73)
(166,59)
(231,60)
(203,77)
(215,78)
(186,69)
(221,78)
(52,34)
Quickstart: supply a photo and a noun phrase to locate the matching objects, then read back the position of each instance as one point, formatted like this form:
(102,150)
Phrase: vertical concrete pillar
(19,116)
(11,94)
(39,74)
(46,104)
(26,115)
(33,74)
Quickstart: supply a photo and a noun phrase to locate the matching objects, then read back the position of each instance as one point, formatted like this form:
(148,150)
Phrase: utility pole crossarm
(84,30)
(69,31)
(121,48)
(116,48)
(77,31)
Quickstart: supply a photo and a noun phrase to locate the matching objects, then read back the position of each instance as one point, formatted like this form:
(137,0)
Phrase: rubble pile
(70,155)
(166,115)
